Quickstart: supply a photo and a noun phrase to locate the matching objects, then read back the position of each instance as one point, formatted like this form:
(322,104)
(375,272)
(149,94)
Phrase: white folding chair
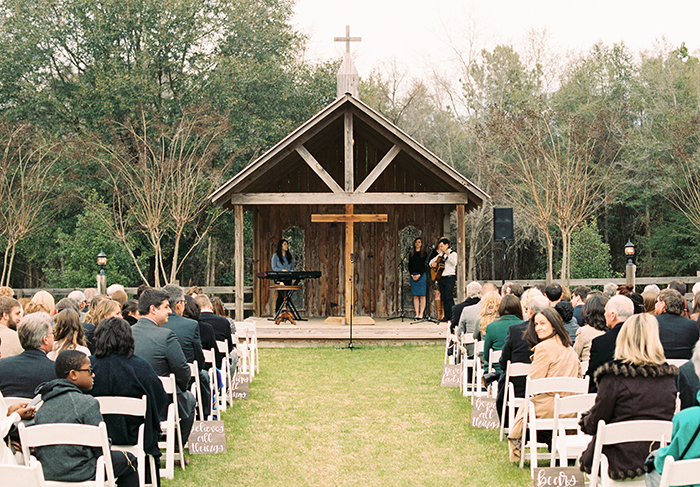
(226,395)
(584,367)
(31,476)
(623,432)
(569,446)
(215,408)
(450,341)
(71,434)
(171,428)
(678,362)
(130,406)
(251,335)
(478,372)
(680,472)
(510,401)
(532,423)
(242,346)
(494,358)
(196,391)
(465,362)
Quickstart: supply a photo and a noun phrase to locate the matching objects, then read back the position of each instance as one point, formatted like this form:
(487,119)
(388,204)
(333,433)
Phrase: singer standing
(446,284)
(419,278)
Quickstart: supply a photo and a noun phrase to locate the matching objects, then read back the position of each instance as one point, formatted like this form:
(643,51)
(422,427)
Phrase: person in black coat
(22,374)
(206,332)
(221,326)
(118,372)
(678,334)
(617,310)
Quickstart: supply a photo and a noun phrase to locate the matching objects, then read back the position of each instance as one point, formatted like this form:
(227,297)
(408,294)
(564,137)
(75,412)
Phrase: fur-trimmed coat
(628,392)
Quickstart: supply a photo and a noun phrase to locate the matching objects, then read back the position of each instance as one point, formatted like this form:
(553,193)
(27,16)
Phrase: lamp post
(101,277)
(630,268)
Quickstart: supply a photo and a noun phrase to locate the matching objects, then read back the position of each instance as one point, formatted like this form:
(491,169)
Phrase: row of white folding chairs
(246,340)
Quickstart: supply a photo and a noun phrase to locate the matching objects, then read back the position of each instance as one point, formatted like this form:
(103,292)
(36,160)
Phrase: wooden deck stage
(315,332)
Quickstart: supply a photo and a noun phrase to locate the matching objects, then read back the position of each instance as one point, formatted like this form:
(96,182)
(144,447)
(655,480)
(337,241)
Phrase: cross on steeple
(348,79)
(347,39)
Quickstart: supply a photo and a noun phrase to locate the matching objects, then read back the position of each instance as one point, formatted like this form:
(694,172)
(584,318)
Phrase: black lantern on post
(630,268)
(102,262)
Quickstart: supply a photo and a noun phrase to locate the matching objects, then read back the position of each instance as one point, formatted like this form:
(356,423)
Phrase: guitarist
(446,282)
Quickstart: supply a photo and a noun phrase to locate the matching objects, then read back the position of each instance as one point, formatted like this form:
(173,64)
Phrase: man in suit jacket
(222,328)
(22,374)
(687,382)
(678,334)
(187,332)
(617,310)
(160,348)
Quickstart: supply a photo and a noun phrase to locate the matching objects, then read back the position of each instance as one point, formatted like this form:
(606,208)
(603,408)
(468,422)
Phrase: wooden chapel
(349,180)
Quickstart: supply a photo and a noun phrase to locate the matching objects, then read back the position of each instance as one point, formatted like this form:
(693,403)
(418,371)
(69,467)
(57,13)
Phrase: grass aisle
(373,416)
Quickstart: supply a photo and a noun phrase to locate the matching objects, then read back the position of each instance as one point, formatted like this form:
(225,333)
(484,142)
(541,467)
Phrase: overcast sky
(417,33)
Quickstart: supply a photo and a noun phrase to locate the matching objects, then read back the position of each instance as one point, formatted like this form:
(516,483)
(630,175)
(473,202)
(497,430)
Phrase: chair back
(571,385)
(680,472)
(623,432)
(31,476)
(70,434)
(196,391)
(678,362)
(494,357)
(127,406)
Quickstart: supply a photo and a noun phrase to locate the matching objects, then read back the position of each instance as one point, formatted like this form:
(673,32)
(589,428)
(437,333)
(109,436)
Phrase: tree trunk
(4,263)
(208,277)
(550,257)
(176,251)
(12,261)
(565,234)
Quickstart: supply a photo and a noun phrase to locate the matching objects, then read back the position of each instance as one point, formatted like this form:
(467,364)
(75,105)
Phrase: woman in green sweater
(510,313)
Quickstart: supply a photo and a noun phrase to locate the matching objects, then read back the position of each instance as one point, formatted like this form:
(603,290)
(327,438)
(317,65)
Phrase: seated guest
(594,325)
(65,401)
(79,297)
(130,311)
(552,357)
(10,314)
(510,313)
(649,298)
(68,334)
(684,444)
(637,385)
(578,299)
(566,311)
(9,417)
(218,307)
(695,313)
(488,313)
(517,349)
(206,331)
(617,310)
(67,303)
(118,372)
(678,334)
(22,374)
(688,383)
(45,299)
(100,309)
(222,330)
(159,347)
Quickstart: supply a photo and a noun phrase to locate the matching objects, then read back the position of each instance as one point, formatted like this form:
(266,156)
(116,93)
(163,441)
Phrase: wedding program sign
(558,477)
(207,437)
(450,375)
(484,414)
(241,383)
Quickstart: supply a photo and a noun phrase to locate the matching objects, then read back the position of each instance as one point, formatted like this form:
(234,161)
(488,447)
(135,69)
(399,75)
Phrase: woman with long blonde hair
(68,334)
(488,313)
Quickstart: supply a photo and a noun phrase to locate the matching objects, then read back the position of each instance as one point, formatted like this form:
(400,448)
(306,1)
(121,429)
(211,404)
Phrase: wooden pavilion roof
(348,154)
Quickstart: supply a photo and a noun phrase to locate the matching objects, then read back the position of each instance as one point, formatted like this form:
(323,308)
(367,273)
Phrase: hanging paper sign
(450,375)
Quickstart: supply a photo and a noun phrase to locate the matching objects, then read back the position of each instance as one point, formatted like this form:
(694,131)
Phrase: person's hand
(22,409)
(415,277)
(433,264)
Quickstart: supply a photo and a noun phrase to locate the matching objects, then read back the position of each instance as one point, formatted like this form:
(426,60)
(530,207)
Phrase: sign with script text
(484,414)
(241,383)
(450,375)
(558,477)
(207,437)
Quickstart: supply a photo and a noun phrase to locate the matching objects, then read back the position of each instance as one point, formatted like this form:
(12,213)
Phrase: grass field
(371,416)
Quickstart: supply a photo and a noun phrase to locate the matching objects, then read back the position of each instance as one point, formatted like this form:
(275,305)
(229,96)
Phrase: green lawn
(372,416)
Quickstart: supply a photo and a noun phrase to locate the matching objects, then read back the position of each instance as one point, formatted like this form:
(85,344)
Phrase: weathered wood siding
(377,254)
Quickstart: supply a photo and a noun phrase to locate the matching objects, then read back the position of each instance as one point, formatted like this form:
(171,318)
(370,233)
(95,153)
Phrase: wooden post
(349,155)
(239,259)
(461,250)
(348,263)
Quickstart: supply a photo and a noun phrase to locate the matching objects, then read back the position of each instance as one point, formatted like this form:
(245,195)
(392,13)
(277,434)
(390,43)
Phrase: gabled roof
(309,166)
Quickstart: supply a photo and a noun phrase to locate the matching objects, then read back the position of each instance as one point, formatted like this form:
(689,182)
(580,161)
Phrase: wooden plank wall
(376,254)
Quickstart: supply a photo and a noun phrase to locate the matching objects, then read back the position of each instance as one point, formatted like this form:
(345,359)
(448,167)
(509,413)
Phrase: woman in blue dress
(282,261)
(419,279)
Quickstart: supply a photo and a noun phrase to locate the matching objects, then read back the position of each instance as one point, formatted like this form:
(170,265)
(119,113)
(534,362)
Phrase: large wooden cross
(349,218)
(347,39)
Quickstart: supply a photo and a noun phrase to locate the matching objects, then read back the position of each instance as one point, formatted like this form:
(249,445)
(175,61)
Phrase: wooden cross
(349,218)
(347,39)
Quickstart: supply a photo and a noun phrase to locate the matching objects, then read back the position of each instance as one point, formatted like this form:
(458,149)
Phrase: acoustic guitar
(436,272)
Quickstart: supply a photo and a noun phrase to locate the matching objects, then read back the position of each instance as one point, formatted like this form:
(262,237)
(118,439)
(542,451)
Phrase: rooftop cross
(347,39)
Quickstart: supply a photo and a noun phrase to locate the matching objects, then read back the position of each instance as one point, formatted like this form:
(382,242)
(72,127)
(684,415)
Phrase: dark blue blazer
(22,374)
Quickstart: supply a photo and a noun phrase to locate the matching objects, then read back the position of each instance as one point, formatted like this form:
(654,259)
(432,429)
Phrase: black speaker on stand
(503,231)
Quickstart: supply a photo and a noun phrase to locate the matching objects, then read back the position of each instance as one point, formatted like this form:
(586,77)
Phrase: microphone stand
(401,315)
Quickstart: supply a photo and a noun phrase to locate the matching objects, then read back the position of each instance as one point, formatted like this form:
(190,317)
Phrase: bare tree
(27,177)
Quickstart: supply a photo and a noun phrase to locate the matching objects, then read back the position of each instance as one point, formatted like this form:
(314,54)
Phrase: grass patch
(373,416)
